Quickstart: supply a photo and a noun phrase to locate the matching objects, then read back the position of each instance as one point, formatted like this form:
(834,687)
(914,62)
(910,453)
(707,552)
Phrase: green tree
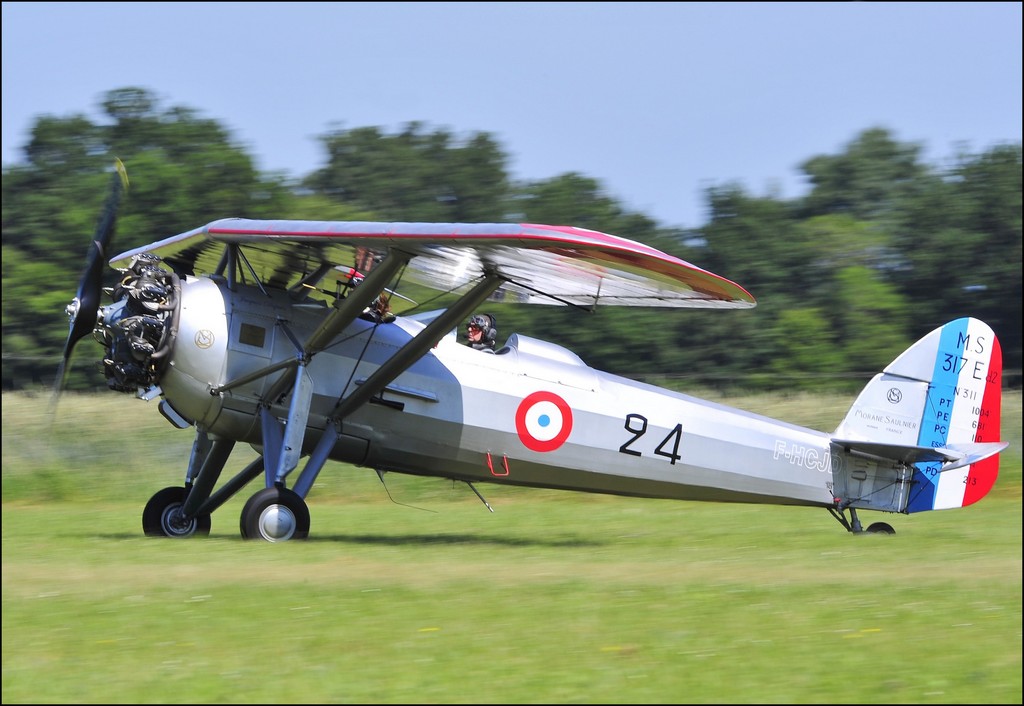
(960,234)
(870,319)
(865,180)
(414,175)
(184,171)
(808,354)
(754,242)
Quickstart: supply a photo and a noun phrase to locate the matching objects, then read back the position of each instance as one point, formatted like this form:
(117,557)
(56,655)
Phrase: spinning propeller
(84,308)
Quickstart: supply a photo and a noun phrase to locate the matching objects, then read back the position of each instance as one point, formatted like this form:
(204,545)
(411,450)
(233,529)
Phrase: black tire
(161,516)
(880,528)
(275,515)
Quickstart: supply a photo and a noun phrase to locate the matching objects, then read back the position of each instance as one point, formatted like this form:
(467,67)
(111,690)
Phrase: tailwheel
(275,515)
(880,528)
(163,517)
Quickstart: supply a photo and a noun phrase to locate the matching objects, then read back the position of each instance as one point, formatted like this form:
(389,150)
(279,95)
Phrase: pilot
(482,332)
(379,310)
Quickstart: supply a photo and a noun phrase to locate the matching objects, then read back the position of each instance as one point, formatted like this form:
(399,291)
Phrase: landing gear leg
(853,524)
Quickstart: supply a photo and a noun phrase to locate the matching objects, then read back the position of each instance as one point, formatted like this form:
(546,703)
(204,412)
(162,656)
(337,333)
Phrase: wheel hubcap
(175,524)
(277,523)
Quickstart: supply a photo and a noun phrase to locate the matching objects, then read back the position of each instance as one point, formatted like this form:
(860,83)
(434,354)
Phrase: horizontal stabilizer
(975,452)
(951,457)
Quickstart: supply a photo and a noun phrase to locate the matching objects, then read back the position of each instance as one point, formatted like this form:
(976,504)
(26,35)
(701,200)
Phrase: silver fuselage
(466,414)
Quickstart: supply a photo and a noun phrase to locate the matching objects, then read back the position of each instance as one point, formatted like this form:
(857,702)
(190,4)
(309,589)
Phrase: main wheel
(880,528)
(275,515)
(162,516)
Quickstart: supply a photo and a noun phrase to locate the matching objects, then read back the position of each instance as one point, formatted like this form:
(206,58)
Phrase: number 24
(636,424)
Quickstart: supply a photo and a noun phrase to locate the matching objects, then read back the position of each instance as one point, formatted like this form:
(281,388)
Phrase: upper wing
(542,264)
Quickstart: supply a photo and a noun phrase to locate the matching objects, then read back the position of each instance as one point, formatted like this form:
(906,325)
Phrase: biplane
(254,332)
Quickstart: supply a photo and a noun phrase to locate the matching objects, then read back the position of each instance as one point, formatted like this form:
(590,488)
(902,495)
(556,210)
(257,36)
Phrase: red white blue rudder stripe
(962,406)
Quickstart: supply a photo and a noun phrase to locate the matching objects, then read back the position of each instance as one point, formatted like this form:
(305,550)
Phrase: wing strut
(282,449)
(418,346)
(345,312)
(283,446)
(385,374)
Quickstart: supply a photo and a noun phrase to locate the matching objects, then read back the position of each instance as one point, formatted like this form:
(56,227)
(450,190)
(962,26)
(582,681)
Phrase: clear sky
(657,101)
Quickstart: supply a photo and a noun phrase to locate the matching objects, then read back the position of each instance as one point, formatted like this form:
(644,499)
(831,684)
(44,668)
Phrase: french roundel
(543,421)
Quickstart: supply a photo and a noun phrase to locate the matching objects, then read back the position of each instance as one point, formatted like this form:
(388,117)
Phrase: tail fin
(942,394)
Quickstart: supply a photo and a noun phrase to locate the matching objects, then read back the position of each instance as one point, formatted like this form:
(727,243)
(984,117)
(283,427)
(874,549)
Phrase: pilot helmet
(486,324)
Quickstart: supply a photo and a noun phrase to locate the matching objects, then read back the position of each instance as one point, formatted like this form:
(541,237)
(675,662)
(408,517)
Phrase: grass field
(553,598)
